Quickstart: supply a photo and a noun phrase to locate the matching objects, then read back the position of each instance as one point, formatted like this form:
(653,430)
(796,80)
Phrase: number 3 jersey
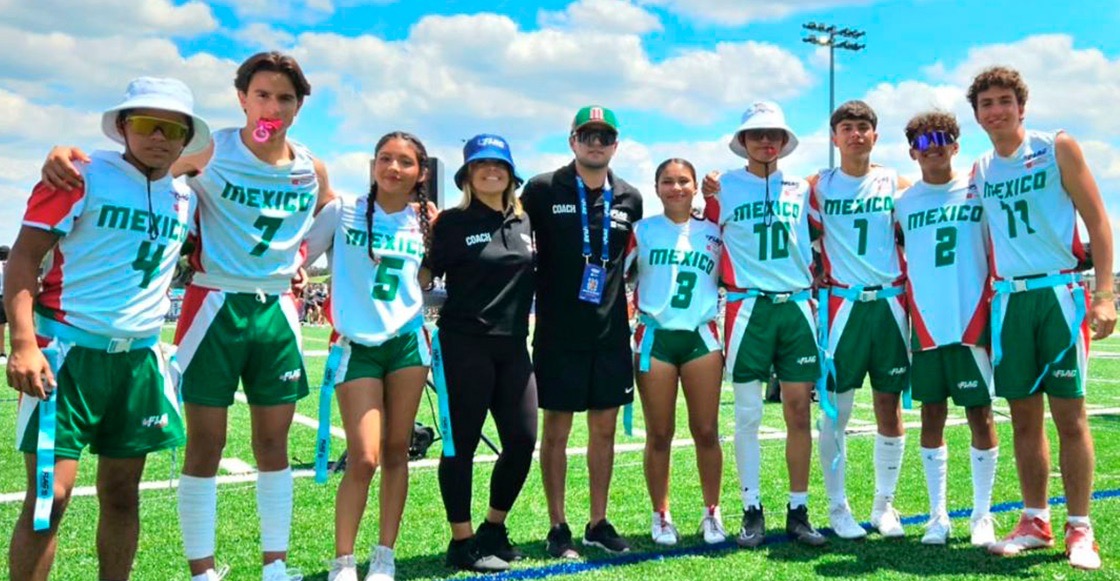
(370,302)
(1031,217)
(946,263)
(253,217)
(111,268)
(677,282)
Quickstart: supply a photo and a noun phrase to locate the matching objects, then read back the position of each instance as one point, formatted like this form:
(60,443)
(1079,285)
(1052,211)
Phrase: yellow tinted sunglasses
(147,125)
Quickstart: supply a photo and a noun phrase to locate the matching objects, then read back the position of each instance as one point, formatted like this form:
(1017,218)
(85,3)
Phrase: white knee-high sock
(274,507)
(198,515)
(936,463)
(888,464)
(984,464)
(832,449)
(748,452)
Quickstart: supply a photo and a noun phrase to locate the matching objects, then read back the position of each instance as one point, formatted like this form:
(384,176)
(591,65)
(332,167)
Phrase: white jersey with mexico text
(112,266)
(766,242)
(253,217)
(1031,218)
(856,219)
(946,263)
(370,302)
(677,282)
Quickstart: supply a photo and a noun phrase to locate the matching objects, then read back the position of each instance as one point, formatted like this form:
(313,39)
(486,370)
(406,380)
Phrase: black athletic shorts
(571,380)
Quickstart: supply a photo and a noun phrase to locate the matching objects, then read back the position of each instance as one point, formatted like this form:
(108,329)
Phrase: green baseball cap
(595,114)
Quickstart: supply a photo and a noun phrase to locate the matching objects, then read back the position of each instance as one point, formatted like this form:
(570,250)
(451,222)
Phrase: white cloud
(261,36)
(610,16)
(731,13)
(294,11)
(109,17)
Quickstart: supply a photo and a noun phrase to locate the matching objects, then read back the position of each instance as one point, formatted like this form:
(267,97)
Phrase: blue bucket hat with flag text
(486,146)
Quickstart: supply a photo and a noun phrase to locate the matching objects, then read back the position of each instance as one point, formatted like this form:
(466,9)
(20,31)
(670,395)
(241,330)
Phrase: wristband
(1104,295)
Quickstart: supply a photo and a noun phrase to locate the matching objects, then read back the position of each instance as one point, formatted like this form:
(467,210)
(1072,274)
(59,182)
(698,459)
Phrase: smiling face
(936,159)
(146,132)
(271,96)
(396,168)
(489,176)
(998,111)
(676,186)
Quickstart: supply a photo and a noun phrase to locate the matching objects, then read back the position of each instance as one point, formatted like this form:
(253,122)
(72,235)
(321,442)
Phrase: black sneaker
(605,537)
(493,539)
(753,531)
(465,555)
(799,529)
(559,543)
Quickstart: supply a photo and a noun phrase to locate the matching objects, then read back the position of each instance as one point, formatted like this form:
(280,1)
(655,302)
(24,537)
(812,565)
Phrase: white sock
(888,464)
(198,515)
(662,516)
(936,463)
(748,452)
(1079,521)
(798,499)
(713,511)
(274,507)
(1041,513)
(984,464)
(832,447)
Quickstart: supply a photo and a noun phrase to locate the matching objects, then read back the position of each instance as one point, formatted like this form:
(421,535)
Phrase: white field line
(490,458)
(235,466)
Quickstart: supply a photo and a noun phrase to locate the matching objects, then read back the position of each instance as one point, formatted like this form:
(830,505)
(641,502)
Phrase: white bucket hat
(165,95)
(764,115)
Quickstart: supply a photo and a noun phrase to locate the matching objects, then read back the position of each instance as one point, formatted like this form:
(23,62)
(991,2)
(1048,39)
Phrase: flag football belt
(75,336)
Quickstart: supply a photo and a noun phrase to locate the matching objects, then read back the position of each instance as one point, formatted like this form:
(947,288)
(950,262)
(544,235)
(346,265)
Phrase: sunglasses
(774,135)
(171,130)
(932,139)
(606,137)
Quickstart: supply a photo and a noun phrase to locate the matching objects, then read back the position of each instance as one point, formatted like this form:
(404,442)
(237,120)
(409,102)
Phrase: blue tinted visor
(932,139)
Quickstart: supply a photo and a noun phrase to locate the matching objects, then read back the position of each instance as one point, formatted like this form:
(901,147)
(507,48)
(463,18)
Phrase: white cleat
(843,524)
(382,566)
(344,568)
(279,571)
(937,531)
(983,531)
(888,522)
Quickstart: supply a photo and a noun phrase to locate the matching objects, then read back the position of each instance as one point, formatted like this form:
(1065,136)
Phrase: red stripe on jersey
(51,295)
(1086,335)
(974,332)
(714,328)
(639,334)
(726,272)
(730,315)
(918,325)
(192,303)
(834,304)
(711,209)
(51,206)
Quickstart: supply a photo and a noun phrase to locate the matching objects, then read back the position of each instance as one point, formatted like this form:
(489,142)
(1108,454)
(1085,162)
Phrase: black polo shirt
(486,259)
(552,202)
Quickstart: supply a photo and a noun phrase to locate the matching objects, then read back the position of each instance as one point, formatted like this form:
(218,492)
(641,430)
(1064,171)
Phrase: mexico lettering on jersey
(1031,218)
(677,280)
(112,266)
(370,302)
(946,263)
(253,217)
(766,244)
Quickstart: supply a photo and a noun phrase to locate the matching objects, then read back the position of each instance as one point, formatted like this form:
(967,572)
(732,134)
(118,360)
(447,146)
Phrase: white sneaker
(382,567)
(888,522)
(279,571)
(937,530)
(711,527)
(843,524)
(344,568)
(983,531)
(3,359)
(663,531)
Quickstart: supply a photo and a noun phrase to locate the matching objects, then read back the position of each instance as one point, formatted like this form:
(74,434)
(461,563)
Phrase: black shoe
(605,537)
(799,529)
(493,539)
(465,555)
(559,543)
(753,531)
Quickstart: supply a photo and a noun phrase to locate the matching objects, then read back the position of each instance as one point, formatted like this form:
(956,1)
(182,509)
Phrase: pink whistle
(265,129)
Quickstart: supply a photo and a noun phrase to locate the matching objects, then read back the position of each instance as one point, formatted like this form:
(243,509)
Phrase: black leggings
(487,373)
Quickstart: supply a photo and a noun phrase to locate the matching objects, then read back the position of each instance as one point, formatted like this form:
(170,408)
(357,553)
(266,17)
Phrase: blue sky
(677,72)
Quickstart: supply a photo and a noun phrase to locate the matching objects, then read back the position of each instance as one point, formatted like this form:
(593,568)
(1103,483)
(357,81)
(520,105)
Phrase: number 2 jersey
(946,263)
(112,266)
(1031,218)
(677,282)
(253,217)
(369,302)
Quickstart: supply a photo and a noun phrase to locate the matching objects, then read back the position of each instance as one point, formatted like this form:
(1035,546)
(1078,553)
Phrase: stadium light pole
(825,35)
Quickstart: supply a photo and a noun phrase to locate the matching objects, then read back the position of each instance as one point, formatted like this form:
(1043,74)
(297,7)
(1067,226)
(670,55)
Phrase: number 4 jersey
(112,266)
(677,281)
(370,302)
(945,240)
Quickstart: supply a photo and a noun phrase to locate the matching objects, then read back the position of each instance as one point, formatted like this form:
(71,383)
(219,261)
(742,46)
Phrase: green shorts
(1036,328)
(677,347)
(963,372)
(869,338)
(763,334)
(121,405)
(226,337)
(362,361)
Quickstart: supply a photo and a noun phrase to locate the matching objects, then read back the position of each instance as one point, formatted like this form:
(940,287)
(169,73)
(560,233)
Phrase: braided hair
(421,189)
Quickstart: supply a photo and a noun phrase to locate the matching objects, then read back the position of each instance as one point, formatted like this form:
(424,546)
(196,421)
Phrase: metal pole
(831,99)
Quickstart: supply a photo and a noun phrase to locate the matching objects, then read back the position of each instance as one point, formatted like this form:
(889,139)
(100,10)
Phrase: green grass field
(424,532)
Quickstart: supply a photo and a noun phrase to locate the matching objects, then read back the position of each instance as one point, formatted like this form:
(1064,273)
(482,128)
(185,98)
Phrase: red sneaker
(1030,533)
(1081,549)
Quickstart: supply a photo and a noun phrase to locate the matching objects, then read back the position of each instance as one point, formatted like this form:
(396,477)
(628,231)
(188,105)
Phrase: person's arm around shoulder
(1082,188)
(320,237)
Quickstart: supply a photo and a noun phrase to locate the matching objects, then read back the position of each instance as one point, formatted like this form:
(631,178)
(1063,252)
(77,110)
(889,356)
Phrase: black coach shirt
(487,259)
(552,202)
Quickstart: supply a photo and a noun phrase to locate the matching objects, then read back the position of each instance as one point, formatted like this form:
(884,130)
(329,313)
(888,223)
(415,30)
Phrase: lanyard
(583,217)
